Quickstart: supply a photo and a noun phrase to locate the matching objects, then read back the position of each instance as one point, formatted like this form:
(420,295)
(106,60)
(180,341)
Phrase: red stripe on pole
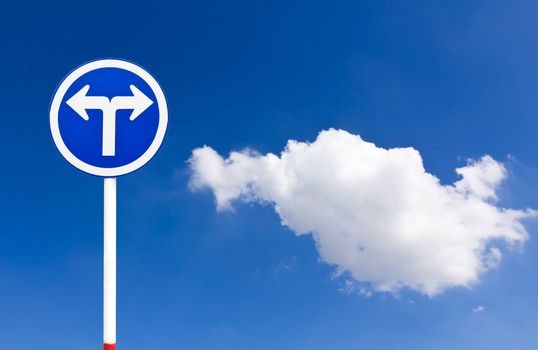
(110,347)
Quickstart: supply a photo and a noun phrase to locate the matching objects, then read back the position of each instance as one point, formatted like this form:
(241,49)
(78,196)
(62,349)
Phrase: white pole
(109,262)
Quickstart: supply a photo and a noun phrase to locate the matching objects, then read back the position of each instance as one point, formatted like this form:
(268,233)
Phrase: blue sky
(454,80)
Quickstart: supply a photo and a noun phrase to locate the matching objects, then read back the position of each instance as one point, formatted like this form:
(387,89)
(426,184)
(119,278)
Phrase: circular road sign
(108,117)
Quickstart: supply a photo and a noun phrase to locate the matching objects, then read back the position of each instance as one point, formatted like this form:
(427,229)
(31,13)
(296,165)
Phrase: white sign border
(161,129)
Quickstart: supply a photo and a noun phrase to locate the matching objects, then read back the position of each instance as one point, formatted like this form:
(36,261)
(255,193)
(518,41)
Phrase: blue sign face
(108,117)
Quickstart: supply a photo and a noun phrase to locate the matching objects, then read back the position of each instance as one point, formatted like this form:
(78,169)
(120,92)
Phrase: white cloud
(286,265)
(478,309)
(374,213)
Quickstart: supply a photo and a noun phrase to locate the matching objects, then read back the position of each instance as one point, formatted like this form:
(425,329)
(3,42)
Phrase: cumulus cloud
(374,213)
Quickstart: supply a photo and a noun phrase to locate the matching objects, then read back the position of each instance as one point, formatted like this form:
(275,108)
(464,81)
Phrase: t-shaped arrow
(80,102)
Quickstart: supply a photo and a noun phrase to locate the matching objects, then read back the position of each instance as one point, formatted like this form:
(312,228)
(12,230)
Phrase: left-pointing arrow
(80,102)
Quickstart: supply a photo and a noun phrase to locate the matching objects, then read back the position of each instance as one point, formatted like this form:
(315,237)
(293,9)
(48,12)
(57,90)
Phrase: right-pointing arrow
(139,102)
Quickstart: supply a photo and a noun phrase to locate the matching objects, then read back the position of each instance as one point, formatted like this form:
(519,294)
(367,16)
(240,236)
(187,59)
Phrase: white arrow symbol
(138,102)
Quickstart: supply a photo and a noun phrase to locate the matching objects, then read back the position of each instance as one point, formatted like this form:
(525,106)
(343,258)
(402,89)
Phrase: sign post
(109,265)
(108,118)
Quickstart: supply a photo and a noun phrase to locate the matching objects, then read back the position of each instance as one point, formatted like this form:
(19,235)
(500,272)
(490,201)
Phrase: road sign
(108,117)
